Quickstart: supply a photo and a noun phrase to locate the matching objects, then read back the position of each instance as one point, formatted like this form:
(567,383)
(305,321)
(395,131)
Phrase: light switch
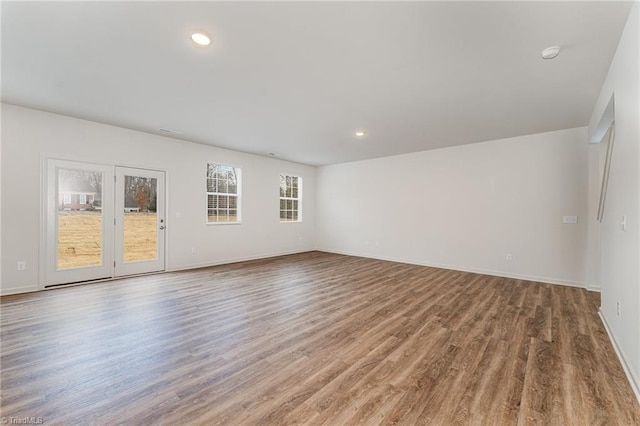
(623,222)
(569,219)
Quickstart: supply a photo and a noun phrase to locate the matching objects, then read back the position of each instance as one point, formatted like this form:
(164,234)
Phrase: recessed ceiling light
(550,52)
(201,38)
(360,133)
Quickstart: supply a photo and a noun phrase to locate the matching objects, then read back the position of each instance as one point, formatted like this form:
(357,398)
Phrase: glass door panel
(79,218)
(140,218)
(79,237)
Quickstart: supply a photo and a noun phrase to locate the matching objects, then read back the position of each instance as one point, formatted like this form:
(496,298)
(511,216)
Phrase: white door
(139,221)
(78,222)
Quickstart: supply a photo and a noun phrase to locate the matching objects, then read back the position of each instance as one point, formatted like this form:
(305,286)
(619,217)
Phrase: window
(83,199)
(290,198)
(223,194)
(66,198)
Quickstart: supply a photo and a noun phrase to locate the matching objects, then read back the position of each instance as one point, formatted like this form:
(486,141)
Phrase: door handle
(161,227)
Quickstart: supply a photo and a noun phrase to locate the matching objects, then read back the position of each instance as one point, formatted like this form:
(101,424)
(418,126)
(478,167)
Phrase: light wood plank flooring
(313,338)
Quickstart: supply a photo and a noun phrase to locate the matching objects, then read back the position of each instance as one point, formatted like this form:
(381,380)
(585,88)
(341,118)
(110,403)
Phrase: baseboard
(546,280)
(236,260)
(12,291)
(180,268)
(631,377)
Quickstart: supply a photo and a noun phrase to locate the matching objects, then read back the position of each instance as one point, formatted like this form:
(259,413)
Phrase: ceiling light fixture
(201,38)
(550,52)
(360,133)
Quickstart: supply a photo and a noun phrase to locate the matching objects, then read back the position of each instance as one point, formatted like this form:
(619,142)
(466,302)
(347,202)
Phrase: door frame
(43,249)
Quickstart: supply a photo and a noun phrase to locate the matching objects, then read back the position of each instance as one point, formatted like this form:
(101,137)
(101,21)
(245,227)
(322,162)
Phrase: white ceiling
(299,79)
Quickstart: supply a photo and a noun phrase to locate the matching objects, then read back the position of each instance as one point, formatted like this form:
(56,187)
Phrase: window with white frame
(83,199)
(223,193)
(290,198)
(66,198)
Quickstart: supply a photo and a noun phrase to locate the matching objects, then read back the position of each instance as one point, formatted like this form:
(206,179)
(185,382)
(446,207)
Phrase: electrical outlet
(509,257)
(618,307)
(22,265)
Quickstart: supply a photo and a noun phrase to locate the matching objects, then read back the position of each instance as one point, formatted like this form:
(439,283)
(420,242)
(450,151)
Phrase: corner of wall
(633,379)
(619,253)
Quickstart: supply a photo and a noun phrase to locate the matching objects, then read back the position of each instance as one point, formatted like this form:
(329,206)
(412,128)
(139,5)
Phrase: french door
(101,221)
(79,222)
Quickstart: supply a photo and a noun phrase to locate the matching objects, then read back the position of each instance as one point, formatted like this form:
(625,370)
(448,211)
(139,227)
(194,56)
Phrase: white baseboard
(236,260)
(7,292)
(18,290)
(546,280)
(631,377)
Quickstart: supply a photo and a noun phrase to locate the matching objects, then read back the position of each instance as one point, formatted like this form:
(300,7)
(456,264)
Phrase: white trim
(605,173)
(300,180)
(42,264)
(71,158)
(595,288)
(237,194)
(545,280)
(607,118)
(182,268)
(238,259)
(20,290)
(42,261)
(631,377)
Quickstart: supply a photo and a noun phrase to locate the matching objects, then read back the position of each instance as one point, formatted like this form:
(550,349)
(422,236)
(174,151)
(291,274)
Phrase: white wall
(26,134)
(593,226)
(1,201)
(620,250)
(465,207)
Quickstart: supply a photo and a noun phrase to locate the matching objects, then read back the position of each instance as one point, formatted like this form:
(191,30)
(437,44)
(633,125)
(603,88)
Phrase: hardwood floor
(313,338)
